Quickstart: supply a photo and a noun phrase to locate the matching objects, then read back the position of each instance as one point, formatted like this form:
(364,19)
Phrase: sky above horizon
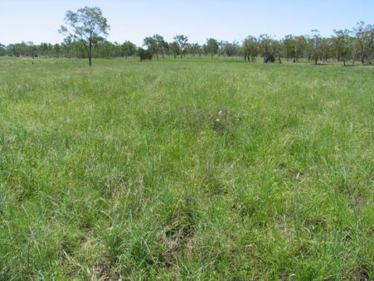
(39,20)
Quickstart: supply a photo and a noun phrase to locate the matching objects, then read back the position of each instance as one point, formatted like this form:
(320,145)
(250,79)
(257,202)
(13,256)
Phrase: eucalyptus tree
(2,50)
(88,26)
(278,49)
(174,49)
(77,49)
(18,49)
(128,49)
(45,49)
(230,49)
(289,42)
(221,46)
(342,42)
(107,49)
(250,48)
(193,49)
(161,45)
(182,42)
(32,49)
(151,45)
(315,45)
(57,50)
(205,50)
(156,45)
(266,46)
(301,47)
(364,39)
(327,49)
(212,46)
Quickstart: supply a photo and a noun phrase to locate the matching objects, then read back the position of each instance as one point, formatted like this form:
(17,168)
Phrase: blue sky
(39,20)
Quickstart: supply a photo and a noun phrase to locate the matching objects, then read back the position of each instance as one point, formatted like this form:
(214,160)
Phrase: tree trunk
(90,53)
(362,54)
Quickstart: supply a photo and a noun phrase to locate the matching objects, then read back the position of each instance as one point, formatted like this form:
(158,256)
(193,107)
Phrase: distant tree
(18,49)
(182,42)
(364,39)
(144,54)
(45,49)
(315,44)
(294,47)
(212,45)
(301,47)
(278,49)
(289,42)
(117,49)
(162,45)
(193,49)
(156,44)
(326,49)
(128,49)
(106,49)
(250,48)
(32,50)
(88,26)
(266,45)
(57,50)
(77,49)
(2,50)
(205,50)
(221,48)
(151,45)
(174,49)
(230,49)
(342,42)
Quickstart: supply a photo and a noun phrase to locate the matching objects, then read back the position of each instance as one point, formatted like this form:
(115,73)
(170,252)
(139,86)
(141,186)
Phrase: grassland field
(186,169)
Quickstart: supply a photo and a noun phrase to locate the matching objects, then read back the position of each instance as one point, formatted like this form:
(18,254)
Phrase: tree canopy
(88,26)
(86,31)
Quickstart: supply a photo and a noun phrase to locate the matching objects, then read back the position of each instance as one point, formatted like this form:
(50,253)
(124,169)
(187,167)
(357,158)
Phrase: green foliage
(156,45)
(212,46)
(268,48)
(250,48)
(2,50)
(128,49)
(343,44)
(229,49)
(88,26)
(145,54)
(175,49)
(346,45)
(364,41)
(193,169)
(194,49)
(182,42)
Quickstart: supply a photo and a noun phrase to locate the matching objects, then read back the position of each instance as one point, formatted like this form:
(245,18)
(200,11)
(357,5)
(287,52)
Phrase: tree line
(87,29)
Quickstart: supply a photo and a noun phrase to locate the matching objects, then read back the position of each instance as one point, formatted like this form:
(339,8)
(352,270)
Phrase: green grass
(185,169)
